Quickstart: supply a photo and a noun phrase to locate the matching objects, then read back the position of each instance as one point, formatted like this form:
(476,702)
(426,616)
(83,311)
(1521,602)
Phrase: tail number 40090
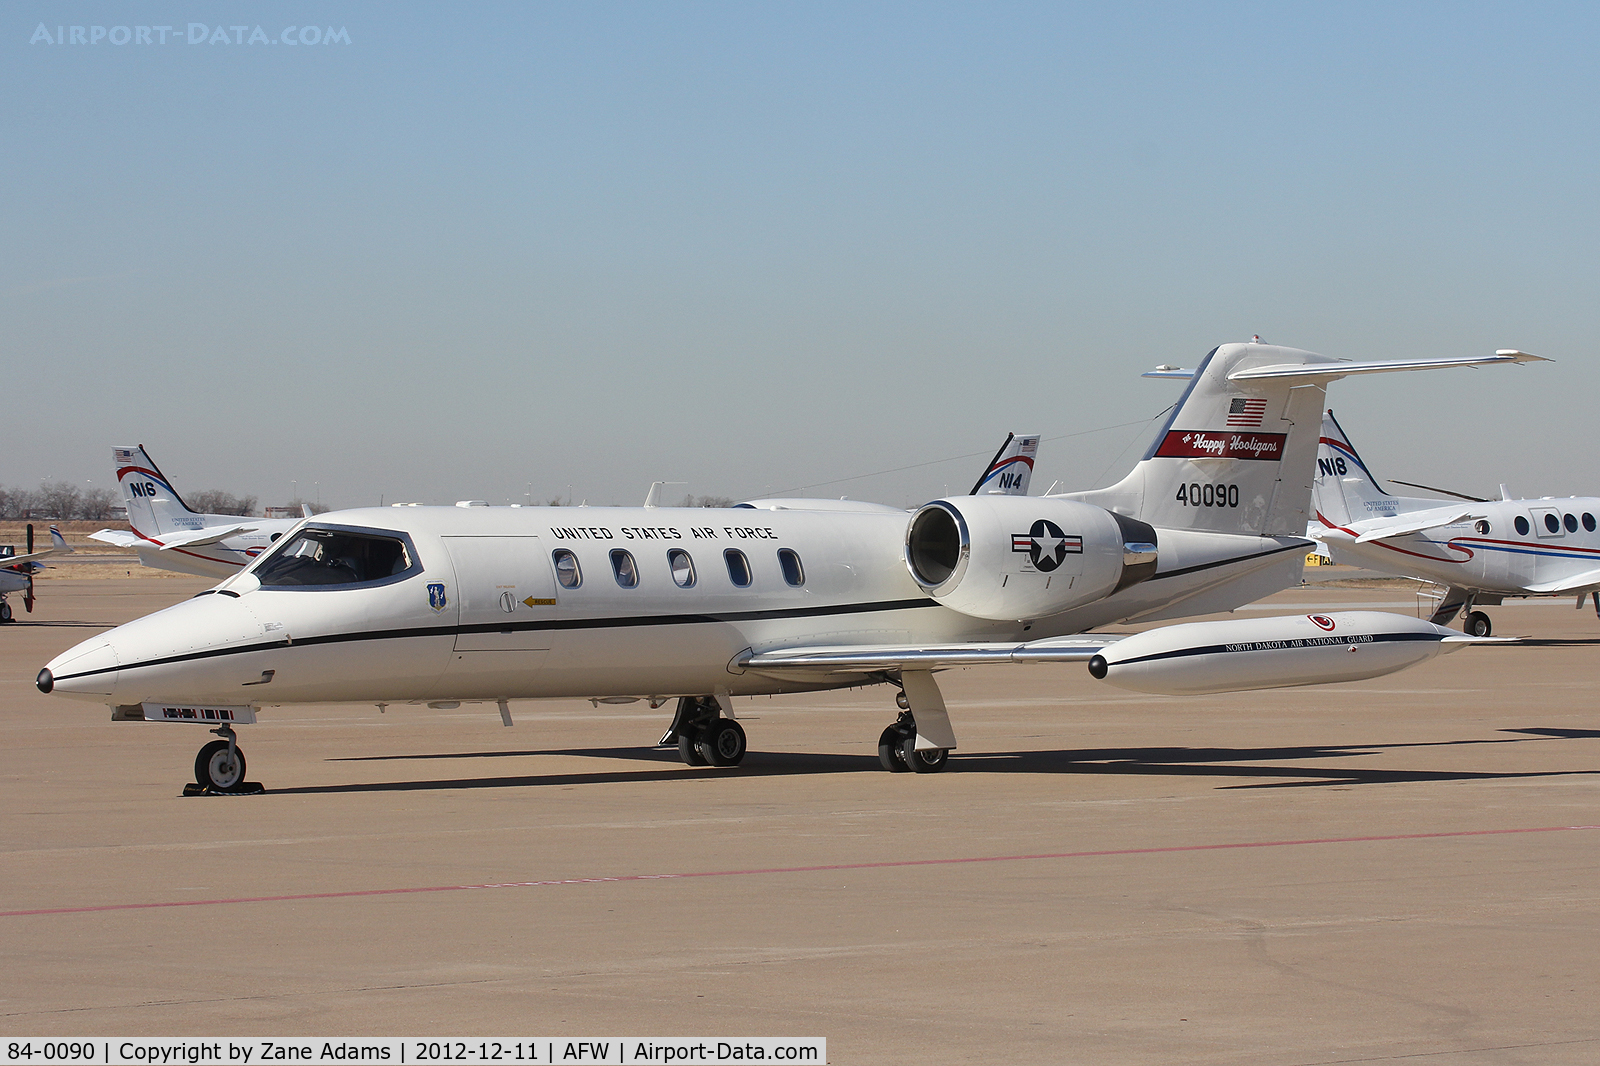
(1197,495)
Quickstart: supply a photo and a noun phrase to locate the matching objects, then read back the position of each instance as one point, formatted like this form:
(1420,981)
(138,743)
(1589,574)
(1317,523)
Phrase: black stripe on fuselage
(549,624)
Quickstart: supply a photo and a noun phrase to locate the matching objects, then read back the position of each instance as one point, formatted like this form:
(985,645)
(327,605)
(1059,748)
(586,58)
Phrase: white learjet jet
(439,605)
(1481,550)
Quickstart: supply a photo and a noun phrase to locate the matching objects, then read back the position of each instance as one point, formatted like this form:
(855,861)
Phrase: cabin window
(1522,526)
(1588,521)
(567,572)
(323,557)
(1571,522)
(682,568)
(622,565)
(793,572)
(738,567)
(1551,522)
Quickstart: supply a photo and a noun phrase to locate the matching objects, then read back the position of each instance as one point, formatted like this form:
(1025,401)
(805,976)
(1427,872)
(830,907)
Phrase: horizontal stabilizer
(1333,371)
(193,538)
(857,659)
(1399,525)
(121,538)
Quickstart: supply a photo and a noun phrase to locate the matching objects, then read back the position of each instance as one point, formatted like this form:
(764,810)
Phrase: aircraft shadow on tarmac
(1266,762)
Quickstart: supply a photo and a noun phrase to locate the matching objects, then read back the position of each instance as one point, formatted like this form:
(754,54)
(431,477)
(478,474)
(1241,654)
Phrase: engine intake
(1020,558)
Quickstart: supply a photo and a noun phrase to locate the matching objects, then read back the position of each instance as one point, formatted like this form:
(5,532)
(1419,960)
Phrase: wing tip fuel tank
(1200,658)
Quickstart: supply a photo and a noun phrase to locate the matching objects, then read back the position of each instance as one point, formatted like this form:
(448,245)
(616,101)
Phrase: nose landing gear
(219,768)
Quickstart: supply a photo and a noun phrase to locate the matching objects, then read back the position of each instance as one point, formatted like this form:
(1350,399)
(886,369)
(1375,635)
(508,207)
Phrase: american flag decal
(1246,414)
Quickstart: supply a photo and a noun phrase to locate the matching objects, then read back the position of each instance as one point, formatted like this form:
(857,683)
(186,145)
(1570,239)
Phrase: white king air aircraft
(1481,550)
(170,536)
(445,604)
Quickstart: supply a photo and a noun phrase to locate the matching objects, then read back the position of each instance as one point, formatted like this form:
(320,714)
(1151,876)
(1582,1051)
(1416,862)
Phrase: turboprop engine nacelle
(1024,557)
(1250,653)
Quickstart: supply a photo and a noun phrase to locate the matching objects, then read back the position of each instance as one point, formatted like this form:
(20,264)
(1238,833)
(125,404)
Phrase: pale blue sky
(757,247)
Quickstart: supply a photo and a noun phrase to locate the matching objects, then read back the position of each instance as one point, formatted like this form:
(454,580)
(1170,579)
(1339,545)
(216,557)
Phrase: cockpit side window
(333,557)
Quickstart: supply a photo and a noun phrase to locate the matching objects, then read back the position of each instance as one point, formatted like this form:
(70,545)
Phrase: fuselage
(447,603)
(1509,547)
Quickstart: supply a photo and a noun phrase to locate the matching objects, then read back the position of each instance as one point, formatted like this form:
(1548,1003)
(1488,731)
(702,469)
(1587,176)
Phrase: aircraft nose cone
(88,671)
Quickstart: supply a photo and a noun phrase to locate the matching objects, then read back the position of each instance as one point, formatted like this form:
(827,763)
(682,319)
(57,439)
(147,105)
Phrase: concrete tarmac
(1396,870)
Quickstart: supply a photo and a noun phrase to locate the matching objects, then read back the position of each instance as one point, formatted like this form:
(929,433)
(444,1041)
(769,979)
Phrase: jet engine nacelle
(1252,653)
(1024,557)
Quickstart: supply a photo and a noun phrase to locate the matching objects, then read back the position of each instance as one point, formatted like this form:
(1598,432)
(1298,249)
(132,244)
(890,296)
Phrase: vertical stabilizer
(1011,469)
(1345,489)
(154,506)
(1236,455)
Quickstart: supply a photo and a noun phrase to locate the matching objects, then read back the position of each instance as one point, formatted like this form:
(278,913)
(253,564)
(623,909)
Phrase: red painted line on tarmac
(791,870)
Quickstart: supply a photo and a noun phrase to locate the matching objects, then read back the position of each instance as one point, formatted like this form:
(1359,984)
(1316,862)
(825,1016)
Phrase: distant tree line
(215,501)
(65,501)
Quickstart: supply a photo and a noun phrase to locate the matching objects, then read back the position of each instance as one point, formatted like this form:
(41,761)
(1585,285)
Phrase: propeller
(1447,492)
(30,538)
(27,597)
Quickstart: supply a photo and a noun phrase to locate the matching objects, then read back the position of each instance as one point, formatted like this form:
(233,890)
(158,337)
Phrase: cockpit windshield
(334,557)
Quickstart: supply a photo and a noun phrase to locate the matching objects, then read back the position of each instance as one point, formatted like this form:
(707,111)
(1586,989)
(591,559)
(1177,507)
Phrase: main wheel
(688,750)
(722,743)
(215,768)
(1478,625)
(889,753)
(925,760)
(5,612)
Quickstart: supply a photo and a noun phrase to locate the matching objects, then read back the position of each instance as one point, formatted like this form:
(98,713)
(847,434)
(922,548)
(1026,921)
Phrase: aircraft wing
(1330,371)
(1411,522)
(120,538)
(867,659)
(1587,580)
(192,538)
(13,560)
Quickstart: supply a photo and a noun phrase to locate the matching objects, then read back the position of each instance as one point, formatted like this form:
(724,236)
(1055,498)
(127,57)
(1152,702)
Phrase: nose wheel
(1477,625)
(219,767)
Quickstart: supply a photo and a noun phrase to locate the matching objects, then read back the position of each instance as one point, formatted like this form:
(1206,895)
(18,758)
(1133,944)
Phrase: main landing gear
(703,736)
(898,751)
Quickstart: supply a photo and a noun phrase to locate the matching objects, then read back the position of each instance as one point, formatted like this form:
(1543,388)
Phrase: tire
(889,753)
(925,761)
(1478,625)
(5,612)
(722,743)
(213,768)
(688,751)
